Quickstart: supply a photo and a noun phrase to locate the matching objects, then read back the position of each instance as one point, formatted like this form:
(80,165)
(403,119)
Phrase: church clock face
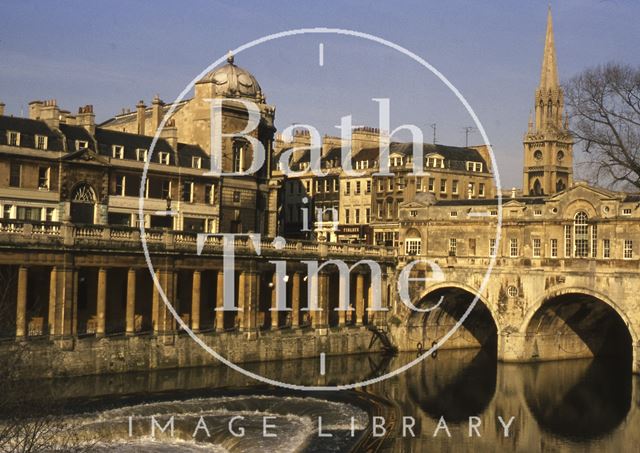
(560,156)
(537,155)
(224,352)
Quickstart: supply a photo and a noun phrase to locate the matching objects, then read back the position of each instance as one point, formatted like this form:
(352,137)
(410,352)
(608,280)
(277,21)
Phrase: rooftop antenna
(433,126)
(467,131)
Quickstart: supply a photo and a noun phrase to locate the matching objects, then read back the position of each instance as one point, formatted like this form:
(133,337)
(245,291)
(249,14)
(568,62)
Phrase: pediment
(585,191)
(85,155)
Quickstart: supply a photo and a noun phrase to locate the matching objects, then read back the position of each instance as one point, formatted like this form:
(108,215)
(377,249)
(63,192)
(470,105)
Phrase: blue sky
(113,53)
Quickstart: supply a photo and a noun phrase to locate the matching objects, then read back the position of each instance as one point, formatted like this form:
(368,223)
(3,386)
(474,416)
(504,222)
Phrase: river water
(580,405)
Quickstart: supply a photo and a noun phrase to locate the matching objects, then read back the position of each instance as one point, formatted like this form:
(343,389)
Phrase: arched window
(560,185)
(84,193)
(238,156)
(581,234)
(537,188)
(83,200)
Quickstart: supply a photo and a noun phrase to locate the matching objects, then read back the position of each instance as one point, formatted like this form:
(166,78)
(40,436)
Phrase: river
(580,405)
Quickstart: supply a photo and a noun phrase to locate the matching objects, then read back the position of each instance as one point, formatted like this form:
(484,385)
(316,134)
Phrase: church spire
(549,73)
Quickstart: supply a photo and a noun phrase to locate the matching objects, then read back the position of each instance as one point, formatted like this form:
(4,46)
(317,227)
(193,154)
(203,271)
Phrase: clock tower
(548,146)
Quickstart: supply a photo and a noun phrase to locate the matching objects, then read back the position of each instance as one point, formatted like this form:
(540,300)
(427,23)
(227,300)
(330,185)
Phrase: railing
(17,231)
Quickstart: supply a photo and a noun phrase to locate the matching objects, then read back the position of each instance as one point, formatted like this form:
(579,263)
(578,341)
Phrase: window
(358,216)
(554,248)
(443,186)
(44,179)
(432,183)
(471,189)
(472,247)
(50,214)
(418,184)
(236,196)
(317,185)
(196,162)
(413,213)
(346,216)
(435,162)
(594,241)
(41,142)
(163,158)
(492,247)
(335,185)
(368,188)
(238,157)
(413,246)
(117,152)
(380,209)
(626,211)
(187,191)
(209,194)
(81,144)
(606,248)
(120,185)
(581,235)
(493,212)
(347,188)
(567,241)
(401,182)
(453,214)
(166,189)
(454,187)
(628,249)
(390,184)
(474,166)
(481,189)
(513,247)
(453,246)
(6,211)
(15,172)
(13,138)
(537,246)
(326,185)
(537,212)
(141,154)
(357,191)
(367,214)
(380,185)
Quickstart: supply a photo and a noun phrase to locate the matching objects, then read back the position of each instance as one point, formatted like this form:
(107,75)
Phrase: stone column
(359,298)
(155,305)
(371,315)
(249,289)
(131,302)
(53,297)
(342,314)
(21,309)
(101,302)
(195,302)
(274,303)
(220,300)
(321,316)
(163,320)
(295,301)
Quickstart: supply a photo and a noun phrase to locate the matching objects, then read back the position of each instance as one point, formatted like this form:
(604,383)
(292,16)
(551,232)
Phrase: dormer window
(196,162)
(435,162)
(163,158)
(626,211)
(396,161)
(474,166)
(13,138)
(41,141)
(117,152)
(141,154)
(81,144)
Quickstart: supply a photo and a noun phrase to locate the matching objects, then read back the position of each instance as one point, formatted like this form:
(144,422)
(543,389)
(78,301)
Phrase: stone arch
(480,329)
(537,187)
(83,203)
(572,318)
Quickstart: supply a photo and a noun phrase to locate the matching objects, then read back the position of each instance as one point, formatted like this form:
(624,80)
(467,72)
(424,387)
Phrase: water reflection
(578,405)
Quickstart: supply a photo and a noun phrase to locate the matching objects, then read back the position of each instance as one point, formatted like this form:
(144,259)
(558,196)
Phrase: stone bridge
(529,310)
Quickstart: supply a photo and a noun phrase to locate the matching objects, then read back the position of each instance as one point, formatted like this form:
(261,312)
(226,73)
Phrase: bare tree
(604,107)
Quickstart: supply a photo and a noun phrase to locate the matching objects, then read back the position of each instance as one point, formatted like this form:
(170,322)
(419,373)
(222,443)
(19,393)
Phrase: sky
(113,53)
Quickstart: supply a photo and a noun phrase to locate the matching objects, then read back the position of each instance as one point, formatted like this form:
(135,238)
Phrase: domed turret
(232,81)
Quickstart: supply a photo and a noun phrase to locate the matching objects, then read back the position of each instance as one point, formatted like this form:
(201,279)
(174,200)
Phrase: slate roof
(28,130)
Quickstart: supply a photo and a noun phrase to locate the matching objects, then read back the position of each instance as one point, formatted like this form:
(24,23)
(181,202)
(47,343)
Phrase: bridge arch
(576,322)
(448,302)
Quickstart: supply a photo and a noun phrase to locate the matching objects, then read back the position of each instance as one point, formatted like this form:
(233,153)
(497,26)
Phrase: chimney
(156,113)
(34,110)
(364,137)
(513,192)
(141,108)
(170,133)
(1,108)
(65,117)
(86,118)
(329,142)
(50,113)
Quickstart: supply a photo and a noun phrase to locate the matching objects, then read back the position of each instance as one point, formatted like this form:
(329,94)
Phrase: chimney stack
(364,137)
(1,108)
(34,110)
(50,113)
(141,108)
(87,119)
(170,134)
(156,113)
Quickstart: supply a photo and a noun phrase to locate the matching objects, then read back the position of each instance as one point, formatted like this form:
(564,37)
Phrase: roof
(28,129)
(490,201)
